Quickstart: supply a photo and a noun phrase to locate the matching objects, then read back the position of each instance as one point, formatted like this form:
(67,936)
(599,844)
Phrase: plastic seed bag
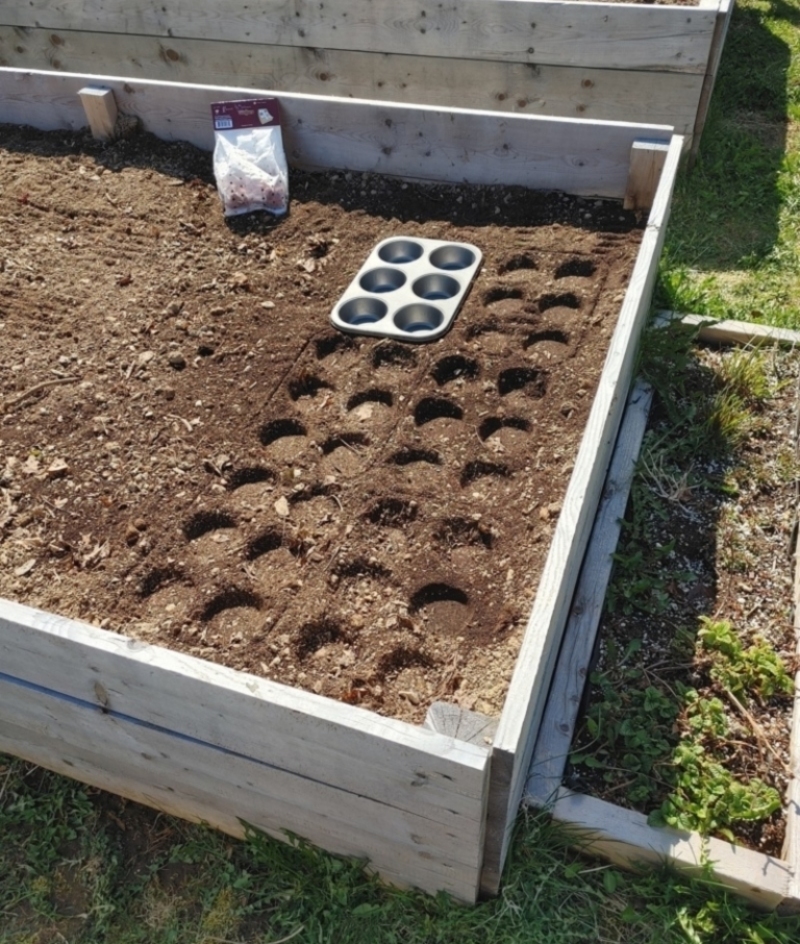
(249,161)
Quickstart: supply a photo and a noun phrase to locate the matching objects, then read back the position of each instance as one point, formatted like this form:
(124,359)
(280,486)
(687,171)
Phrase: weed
(705,796)
(758,670)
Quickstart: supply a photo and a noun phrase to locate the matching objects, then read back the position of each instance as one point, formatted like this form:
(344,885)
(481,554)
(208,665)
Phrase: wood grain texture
(416,142)
(460,723)
(624,837)
(730,331)
(647,161)
(550,754)
(613,94)
(527,694)
(652,38)
(101,111)
(347,747)
(197,781)
(791,846)
(717,43)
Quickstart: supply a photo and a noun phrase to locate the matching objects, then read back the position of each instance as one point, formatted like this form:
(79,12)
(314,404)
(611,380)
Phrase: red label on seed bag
(247,113)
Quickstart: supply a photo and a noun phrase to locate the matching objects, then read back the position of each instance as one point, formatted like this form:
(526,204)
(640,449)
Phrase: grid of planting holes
(371,537)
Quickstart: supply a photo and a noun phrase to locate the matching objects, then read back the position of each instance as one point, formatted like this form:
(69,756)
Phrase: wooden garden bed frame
(427,807)
(621,835)
(608,61)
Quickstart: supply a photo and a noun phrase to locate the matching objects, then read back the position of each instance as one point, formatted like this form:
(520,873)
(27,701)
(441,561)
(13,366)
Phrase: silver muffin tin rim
(414,288)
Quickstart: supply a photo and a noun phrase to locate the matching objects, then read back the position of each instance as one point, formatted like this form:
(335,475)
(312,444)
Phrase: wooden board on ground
(563,701)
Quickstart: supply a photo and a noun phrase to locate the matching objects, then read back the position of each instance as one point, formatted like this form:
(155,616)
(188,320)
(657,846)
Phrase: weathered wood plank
(101,111)
(352,749)
(647,161)
(625,838)
(524,706)
(198,781)
(422,142)
(729,331)
(717,43)
(563,702)
(611,94)
(460,723)
(791,846)
(653,38)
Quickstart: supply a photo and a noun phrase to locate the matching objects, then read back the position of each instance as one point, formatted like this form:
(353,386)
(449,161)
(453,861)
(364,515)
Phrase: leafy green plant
(705,796)
(757,669)
(629,728)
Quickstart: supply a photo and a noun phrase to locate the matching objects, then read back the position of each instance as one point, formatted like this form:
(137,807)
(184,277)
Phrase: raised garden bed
(606,61)
(624,835)
(206,741)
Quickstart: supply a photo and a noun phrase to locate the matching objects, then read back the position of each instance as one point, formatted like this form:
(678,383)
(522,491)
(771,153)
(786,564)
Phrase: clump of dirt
(193,456)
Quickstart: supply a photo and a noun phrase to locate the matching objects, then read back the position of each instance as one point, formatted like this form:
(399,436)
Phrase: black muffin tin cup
(409,288)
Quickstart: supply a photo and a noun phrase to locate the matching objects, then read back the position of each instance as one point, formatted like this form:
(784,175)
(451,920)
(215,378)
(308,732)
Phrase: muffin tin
(409,288)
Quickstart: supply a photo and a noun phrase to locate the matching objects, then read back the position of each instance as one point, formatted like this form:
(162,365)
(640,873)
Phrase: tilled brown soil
(192,455)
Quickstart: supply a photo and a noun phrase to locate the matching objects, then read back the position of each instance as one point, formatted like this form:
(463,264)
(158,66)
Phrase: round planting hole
(436,593)
(563,300)
(452,257)
(306,385)
(465,531)
(280,429)
(373,395)
(400,251)
(408,455)
(249,475)
(350,441)
(478,469)
(418,317)
(316,634)
(521,261)
(575,267)
(493,424)
(529,379)
(434,408)
(393,355)
(229,599)
(332,344)
(453,367)
(360,311)
(205,521)
(436,286)
(391,512)
(264,543)
(384,279)
(154,580)
(551,335)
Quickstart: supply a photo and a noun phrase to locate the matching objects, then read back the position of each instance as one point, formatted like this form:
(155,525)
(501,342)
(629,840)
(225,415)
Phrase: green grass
(733,245)
(77,866)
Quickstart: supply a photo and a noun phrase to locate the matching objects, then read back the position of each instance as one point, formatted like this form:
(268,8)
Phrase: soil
(191,455)
(733,558)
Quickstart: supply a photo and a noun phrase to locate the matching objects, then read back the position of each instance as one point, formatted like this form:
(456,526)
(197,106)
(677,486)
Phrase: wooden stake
(647,161)
(101,111)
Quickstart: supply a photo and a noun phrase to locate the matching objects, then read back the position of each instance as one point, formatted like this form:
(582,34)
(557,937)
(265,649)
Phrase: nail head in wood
(644,172)
(101,111)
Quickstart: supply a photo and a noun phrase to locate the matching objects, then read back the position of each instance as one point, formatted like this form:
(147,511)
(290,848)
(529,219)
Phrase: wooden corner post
(644,173)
